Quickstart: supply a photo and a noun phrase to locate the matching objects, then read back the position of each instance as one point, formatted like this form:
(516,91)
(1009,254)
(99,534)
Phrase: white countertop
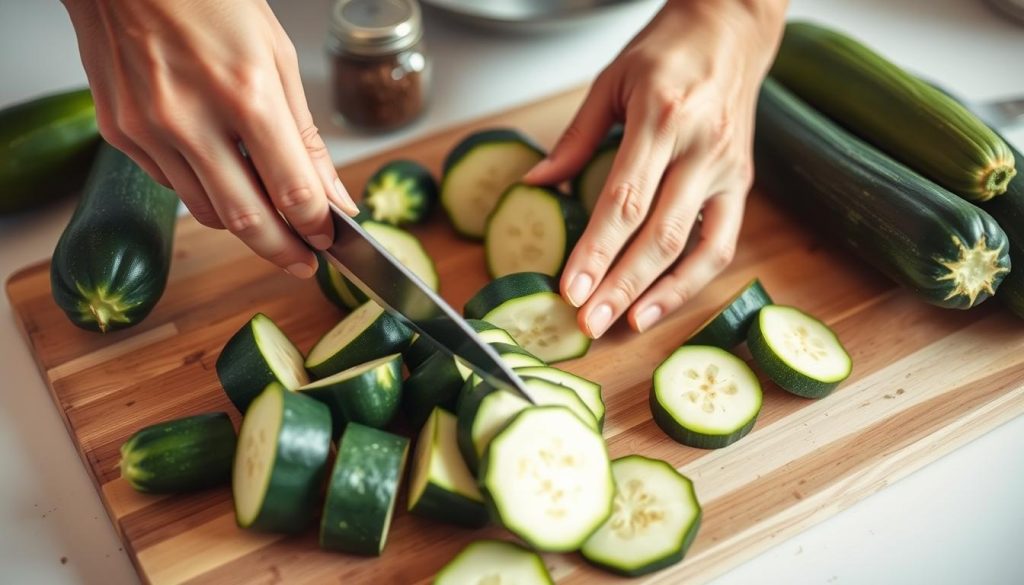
(955,521)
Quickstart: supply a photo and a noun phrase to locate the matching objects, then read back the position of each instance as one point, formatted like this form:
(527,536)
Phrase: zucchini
(655,519)
(705,397)
(588,391)
(532,229)
(282,453)
(422,348)
(1008,210)
(587,185)
(110,265)
(728,327)
(949,252)
(510,353)
(547,393)
(363,489)
(494,562)
(442,488)
(180,455)
(798,352)
(903,116)
(368,394)
(335,287)
(399,192)
(364,335)
(478,170)
(256,355)
(46,147)
(547,479)
(528,306)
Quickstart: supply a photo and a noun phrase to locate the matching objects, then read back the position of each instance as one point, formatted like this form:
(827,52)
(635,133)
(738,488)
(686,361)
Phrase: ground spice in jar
(380,72)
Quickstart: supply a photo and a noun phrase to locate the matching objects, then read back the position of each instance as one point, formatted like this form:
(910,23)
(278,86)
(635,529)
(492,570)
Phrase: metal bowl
(522,14)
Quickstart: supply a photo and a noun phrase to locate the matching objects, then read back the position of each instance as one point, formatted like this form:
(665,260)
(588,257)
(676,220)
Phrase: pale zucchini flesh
(367,333)
(494,562)
(533,229)
(588,391)
(407,249)
(442,487)
(543,324)
(256,355)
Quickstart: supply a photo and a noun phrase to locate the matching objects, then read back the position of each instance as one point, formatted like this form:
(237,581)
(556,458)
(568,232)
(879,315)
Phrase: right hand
(178,84)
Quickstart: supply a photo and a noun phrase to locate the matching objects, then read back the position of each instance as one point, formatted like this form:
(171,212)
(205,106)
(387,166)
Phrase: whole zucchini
(180,455)
(46,146)
(903,116)
(948,251)
(110,265)
(1008,210)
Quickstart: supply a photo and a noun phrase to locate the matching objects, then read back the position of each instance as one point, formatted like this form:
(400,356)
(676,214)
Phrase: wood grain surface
(925,380)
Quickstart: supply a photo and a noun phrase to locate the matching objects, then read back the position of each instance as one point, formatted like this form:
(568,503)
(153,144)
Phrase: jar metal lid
(375,27)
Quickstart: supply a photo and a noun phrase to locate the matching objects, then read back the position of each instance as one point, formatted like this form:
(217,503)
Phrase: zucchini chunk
(728,327)
(255,356)
(364,335)
(588,391)
(798,352)
(441,486)
(181,455)
(510,353)
(335,287)
(705,397)
(368,394)
(399,192)
(494,561)
(532,229)
(422,348)
(478,170)
(281,457)
(654,520)
(362,491)
(482,411)
(547,478)
(528,306)
(588,185)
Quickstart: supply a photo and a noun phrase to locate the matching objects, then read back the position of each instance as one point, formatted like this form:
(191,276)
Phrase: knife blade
(393,286)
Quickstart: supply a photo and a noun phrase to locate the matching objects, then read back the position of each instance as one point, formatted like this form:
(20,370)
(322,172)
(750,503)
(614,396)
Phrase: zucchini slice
(436,382)
(510,353)
(482,411)
(527,305)
(547,478)
(256,355)
(281,457)
(705,397)
(441,486)
(362,491)
(588,391)
(494,562)
(547,393)
(798,352)
(655,518)
(422,348)
(728,327)
(180,455)
(532,229)
(587,186)
(478,170)
(401,191)
(364,335)
(336,287)
(368,394)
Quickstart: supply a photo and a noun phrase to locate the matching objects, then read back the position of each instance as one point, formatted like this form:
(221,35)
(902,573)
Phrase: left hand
(686,89)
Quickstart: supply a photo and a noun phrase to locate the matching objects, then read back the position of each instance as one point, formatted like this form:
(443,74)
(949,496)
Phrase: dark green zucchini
(728,327)
(1008,210)
(180,455)
(949,252)
(587,185)
(111,263)
(400,192)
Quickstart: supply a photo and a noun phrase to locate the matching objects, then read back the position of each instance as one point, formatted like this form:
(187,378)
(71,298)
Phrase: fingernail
(599,320)
(647,317)
(301,270)
(321,241)
(537,169)
(579,288)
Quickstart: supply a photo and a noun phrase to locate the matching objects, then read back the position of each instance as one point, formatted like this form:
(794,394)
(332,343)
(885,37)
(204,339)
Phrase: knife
(393,286)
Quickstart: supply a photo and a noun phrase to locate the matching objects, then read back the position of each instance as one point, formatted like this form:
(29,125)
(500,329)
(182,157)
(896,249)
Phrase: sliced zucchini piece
(180,455)
(528,306)
(368,394)
(705,397)
(435,383)
(482,411)
(532,229)
(362,491)
(478,170)
(494,562)
(281,457)
(588,391)
(422,348)
(728,327)
(364,335)
(798,352)
(336,287)
(256,355)
(510,353)
(547,478)
(545,393)
(442,488)
(587,186)
(654,520)
(401,191)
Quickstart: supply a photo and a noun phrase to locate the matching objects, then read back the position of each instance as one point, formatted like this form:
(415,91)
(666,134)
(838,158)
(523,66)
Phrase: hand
(685,89)
(178,84)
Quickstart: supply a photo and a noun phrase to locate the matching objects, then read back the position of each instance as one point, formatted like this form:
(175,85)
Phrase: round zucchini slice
(494,562)
(588,391)
(401,191)
(728,327)
(255,356)
(364,335)
(368,394)
(532,229)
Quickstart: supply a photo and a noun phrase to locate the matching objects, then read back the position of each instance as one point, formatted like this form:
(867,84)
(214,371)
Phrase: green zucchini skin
(362,491)
(510,286)
(728,327)
(419,351)
(1008,210)
(371,398)
(241,368)
(901,115)
(180,455)
(436,382)
(335,287)
(384,336)
(583,187)
(47,145)
(406,180)
(899,222)
(464,147)
(110,265)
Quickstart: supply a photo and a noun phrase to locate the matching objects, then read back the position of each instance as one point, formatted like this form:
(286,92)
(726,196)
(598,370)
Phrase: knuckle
(207,217)
(243,220)
(571,135)
(294,197)
(721,254)
(598,253)
(630,203)
(626,289)
(670,239)
(720,132)
(679,291)
(670,108)
(313,141)
(133,126)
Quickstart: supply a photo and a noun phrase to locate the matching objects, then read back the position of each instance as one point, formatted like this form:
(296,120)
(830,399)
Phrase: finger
(188,188)
(656,247)
(579,140)
(720,228)
(138,155)
(244,210)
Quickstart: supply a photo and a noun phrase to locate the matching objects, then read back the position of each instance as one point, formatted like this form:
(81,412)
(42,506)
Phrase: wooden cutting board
(925,381)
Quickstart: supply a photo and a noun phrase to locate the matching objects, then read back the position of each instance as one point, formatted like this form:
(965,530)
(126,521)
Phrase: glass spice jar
(380,74)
